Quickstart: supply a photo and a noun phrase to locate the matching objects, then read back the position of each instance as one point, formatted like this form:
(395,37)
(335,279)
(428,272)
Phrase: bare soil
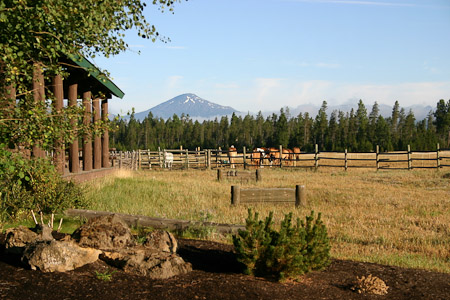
(216,275)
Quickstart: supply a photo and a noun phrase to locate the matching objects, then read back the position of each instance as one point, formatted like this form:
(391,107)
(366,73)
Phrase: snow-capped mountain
(189,104)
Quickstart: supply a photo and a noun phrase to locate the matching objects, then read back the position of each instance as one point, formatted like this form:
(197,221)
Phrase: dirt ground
(216,275)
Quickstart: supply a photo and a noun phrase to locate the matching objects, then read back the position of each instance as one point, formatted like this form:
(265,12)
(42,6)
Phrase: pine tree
(281,130)
(442,122)
(320,126)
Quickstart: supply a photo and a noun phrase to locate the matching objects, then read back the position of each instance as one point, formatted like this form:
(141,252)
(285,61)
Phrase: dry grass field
(391,217)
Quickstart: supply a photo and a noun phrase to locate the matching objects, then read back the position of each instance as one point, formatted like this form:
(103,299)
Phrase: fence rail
(268,195)
(219,159)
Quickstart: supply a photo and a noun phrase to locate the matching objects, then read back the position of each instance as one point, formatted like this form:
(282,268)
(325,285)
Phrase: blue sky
(266,54)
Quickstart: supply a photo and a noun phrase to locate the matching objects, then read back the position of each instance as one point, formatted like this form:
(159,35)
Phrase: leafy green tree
(40,34)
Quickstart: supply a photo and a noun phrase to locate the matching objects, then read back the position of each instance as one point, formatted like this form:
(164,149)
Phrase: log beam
(105,137)
(58,154)
(74,160)
(97,138)
(87,140)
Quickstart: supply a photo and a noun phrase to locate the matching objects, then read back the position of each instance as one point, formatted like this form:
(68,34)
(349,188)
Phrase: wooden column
(74,160)
(87,140)
(58,154)
(97,138)
(105,137)
(39,96)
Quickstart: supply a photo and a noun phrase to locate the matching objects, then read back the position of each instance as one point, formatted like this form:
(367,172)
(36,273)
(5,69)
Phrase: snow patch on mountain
(187,104)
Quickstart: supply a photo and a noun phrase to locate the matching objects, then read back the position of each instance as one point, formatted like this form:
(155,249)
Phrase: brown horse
(258,155)
(296,151)
(274,156)
(232,153)
(288,156)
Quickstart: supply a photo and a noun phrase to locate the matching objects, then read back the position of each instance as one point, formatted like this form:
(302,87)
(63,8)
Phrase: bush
(27,184)
(291,251)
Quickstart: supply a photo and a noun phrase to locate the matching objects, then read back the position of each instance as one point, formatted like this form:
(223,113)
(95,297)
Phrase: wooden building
(87,83)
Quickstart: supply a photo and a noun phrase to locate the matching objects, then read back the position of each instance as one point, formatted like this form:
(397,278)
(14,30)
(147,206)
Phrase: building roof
(83,74)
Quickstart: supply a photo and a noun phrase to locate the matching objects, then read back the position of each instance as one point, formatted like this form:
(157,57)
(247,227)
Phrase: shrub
(293,250)
(27,184)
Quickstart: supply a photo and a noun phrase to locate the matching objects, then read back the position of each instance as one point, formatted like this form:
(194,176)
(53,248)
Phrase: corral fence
(220,159)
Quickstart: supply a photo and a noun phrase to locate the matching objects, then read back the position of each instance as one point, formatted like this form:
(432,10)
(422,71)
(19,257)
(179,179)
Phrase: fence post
(120,159)
(409,158)
(219,175)
(258,175)
(300,195)
(149,159)
(316,156)
(235,195)
(187,159)
(377,157)
(159,157)
(244,153)
(281,155)
(345,160)
(208,159)
(139,159)
(438,159)
(164,158)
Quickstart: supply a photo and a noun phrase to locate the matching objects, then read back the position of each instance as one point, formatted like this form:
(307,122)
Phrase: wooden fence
(268,195)
(239,175)
(218,159)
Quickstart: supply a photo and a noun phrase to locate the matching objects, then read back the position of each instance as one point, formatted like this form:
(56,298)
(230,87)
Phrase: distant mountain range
(200,109)
(188,104)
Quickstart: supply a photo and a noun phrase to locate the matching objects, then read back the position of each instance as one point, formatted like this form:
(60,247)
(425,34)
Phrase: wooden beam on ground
(157,223)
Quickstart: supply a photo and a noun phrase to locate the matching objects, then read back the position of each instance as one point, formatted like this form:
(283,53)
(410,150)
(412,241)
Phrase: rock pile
(108,238)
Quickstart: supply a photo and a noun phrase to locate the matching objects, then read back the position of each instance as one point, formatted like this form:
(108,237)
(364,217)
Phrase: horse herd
(259,157)
(267,156)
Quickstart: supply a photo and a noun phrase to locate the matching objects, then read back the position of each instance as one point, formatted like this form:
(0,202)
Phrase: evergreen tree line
(356,131)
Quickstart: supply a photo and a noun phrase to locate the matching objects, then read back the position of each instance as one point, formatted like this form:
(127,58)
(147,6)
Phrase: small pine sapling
(291,251)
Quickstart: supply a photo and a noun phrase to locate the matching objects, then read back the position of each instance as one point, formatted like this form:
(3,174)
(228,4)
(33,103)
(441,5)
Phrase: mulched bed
(216,275)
